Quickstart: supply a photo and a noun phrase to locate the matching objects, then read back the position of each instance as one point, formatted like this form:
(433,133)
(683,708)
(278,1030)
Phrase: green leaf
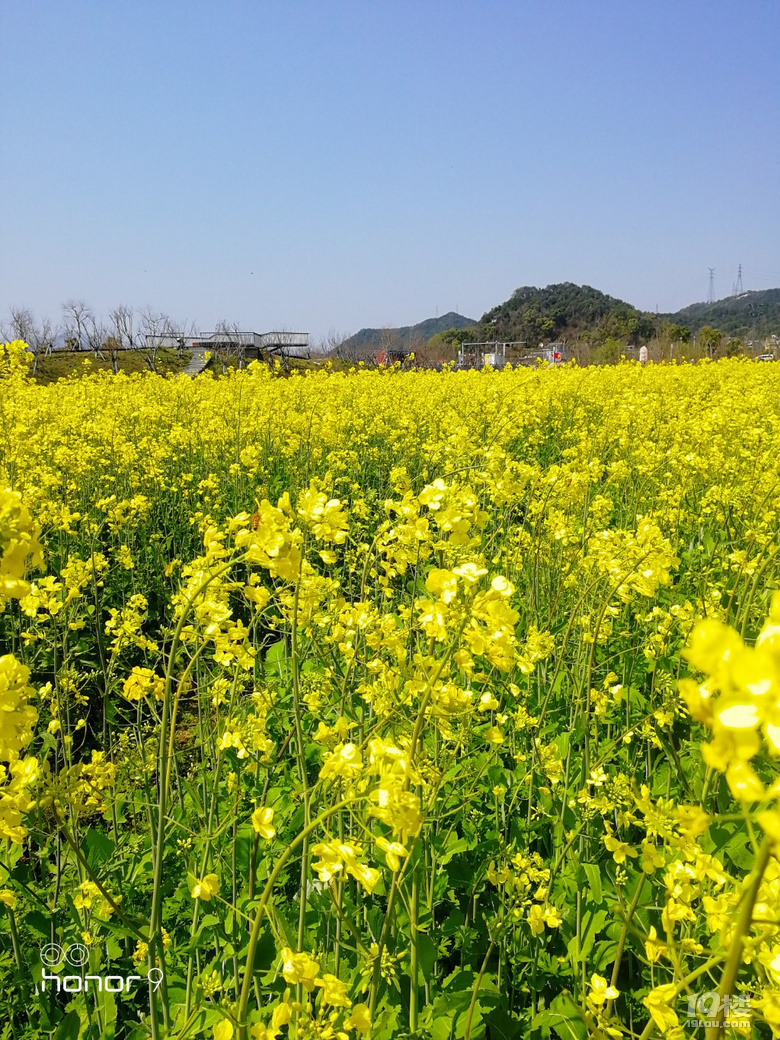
(594,881)
(200,939)
(275,654)
(461,979)
(427,952)
(449,1014)
(453,922)
(312,667)
(245,837)
(729,840)
(590,925)
(564,1017)
(194,794)
(69,1027)
(562,740)
(97,846)
(452,847)
(286,926)
(265,951)
(502,1025)
(603,954)
(38,923)
(384,1027)
(107,1003)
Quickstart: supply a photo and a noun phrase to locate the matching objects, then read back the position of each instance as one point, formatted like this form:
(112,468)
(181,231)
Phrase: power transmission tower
(738,284)
(711,290)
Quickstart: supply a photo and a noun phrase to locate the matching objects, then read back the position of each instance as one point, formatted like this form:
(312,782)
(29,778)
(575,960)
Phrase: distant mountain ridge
(756,313)
(407,335)
(567,311)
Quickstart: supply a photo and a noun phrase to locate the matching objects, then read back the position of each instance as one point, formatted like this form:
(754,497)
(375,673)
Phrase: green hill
(368,340)
(570,312)
(751,315)
(563,311)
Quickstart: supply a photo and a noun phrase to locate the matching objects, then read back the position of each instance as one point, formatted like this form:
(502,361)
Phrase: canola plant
(390,704)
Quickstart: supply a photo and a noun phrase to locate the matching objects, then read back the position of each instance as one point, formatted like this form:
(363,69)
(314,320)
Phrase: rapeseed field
(390,704)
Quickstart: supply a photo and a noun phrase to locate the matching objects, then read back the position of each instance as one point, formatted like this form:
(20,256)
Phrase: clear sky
(332,164)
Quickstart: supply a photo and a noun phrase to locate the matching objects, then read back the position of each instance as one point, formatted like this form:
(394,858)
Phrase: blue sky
(329,165)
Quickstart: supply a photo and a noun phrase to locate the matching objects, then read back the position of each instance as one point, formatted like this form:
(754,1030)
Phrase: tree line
(81,329)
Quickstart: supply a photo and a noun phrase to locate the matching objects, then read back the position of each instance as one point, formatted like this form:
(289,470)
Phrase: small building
(496,354)
(552,353)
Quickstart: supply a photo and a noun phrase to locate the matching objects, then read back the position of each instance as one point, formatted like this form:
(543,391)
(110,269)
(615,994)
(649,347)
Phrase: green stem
(622,940)
(93,877)
(14,937)
(475,990)
(649,1029)
(155,934)
(413,964)
(407,784)
(264,898)
(734,961)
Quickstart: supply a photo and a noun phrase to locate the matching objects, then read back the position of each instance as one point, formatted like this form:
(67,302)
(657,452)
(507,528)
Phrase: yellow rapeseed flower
(262,821)
(204,889)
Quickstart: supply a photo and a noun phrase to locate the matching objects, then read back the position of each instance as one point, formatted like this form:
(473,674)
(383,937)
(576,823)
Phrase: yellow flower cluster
(301,969)
(436,620)
(19,546)
(18,716)
(740,699)
(336,857)
(142,682)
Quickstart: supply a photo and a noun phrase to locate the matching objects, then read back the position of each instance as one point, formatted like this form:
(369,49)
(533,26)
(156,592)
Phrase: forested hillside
(564,311)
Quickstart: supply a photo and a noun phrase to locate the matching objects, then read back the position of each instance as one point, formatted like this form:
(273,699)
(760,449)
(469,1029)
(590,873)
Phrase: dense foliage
(568,311)
(750,314)
(565,311)
(358,704)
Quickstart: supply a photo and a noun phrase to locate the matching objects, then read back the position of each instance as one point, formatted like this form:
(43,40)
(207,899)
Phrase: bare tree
(154,329)
(122,334)
(47,334)
(78,316)
(336,345)
(22,324)
(123,326)
(391,348)
(229,342)
(330,344)
(112,347)
(159,330)
(97,334)
(39,337)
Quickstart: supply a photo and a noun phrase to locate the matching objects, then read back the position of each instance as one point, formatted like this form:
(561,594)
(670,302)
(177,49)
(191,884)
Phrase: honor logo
(77,955)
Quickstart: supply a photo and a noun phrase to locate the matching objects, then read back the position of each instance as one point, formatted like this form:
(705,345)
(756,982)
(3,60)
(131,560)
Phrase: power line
(770,279)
